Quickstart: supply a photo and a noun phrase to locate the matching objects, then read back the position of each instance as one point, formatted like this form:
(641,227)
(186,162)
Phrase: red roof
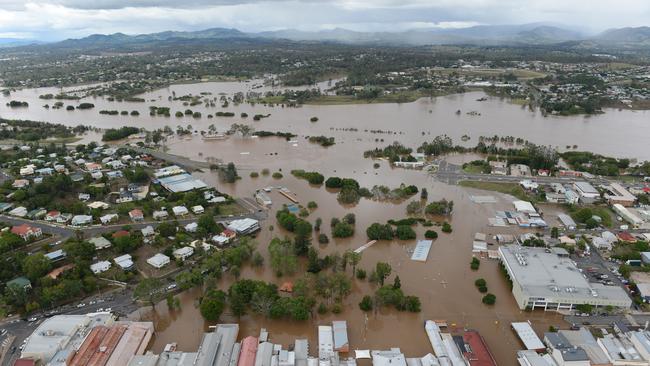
(121,233)
(23,229)
(53,213)
(248,351)
(287,287)
(625,236)
(646,189)
(477,353)
(228,233)
(24,362)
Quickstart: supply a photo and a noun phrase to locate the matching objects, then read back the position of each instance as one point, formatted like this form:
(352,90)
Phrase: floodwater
(445,283)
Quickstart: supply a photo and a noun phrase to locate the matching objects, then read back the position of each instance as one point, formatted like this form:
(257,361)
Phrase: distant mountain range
(526,34)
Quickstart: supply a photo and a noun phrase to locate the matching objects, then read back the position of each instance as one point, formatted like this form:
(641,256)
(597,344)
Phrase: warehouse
(181,183)
(244,226)
(550,282)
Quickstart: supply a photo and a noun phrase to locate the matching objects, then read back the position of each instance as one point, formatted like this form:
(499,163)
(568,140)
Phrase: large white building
(550,282)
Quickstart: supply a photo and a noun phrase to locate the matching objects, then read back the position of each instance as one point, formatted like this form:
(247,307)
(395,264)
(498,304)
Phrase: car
(92,302)
(108,310)
(81,305)
(172,286)
(32,319)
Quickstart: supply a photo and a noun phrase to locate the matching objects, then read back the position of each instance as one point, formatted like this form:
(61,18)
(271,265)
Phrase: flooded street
(444,283)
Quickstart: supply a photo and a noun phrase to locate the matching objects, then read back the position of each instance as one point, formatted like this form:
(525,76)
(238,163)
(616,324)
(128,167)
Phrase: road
(452,174)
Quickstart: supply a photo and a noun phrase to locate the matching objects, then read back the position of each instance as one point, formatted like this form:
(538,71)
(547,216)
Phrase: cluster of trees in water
(113,134)
(25,130)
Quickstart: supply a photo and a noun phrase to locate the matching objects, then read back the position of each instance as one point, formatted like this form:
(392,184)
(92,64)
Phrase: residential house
(160,215)
(197,210)
(20,183)
(101,266)
(81,220)
(180,210)
(107,219)
(158,261)
(183,253)
(27,232)
(136,215)
(100,242)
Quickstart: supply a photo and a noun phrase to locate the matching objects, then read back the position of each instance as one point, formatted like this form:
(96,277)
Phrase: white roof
(184,251)
(100,266)
(528,336)
(421,251)
(158,260)
(124,261)
(179,210)
(524,206)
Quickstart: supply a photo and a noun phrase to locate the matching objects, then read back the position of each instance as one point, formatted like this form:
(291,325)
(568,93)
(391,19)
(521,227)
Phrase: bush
(442,207)
(361,274)
(337,308)
(412,304)
(489,299)
(333,182)
(312,205)
(277,175)
(312,177)
(323,239)
(349,219)
(405,232)
(431,234)
(378,231)
(265,171)
(475,264)
(313,119)
(366,303)
(446,227)
(480,282)
(322,309)
(343,230)
(255,174)
(482,289)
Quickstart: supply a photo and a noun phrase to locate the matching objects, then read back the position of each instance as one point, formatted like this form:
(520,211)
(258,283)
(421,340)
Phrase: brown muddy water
(445,283)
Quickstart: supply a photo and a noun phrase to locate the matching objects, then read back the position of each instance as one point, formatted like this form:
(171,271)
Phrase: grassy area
(473,169)
(63,140)
(402,97)
(231,209)
(513,189)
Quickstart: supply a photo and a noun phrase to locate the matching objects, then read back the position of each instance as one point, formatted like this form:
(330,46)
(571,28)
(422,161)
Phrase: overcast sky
(60,19)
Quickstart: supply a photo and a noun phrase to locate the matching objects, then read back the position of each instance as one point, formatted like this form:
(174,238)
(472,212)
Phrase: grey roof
(216,347)
(340,329)
(586,187)
(542,274)
(264,353)
(574,354)
(566,220)
(584,339)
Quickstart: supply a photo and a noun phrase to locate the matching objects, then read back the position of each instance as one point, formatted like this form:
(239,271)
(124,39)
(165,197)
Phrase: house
(148,231)
(36,213)
(18,212)
(52,215)
(160,215)
(124,261)
(626,237)
(114,174)
(529,185)
(28,170)
(180,210)
(93,167)
(27,232)
(97,175)
(498,168)
(100,242)
(98,205)
(63,218)
(20,183)
(520,170)
(197,210)
(81,220)
(57,255)
(44,171)
(183,253)
(107,219)
(101,266)
(136,215)
(192,227)
(84,196)
(158,261)
(19,282)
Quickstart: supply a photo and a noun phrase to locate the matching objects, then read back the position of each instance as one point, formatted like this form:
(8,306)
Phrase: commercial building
(627,215)
(550,282)
(340,329)
(563,352)
(567,221)
(616,193)
(587,192)
(57,337)
(181,183)
(528,336)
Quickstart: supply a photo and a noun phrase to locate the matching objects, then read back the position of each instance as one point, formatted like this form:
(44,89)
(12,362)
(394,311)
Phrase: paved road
(452,174)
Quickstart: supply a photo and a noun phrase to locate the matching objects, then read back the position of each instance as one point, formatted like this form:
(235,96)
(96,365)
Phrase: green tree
(382,271)
(378,231)
(212,305)
(166,229)
(207,223)
(147,289)
(282,256)
(343,230)
(36,266)
(405,232)
(366,303)
(489,299)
